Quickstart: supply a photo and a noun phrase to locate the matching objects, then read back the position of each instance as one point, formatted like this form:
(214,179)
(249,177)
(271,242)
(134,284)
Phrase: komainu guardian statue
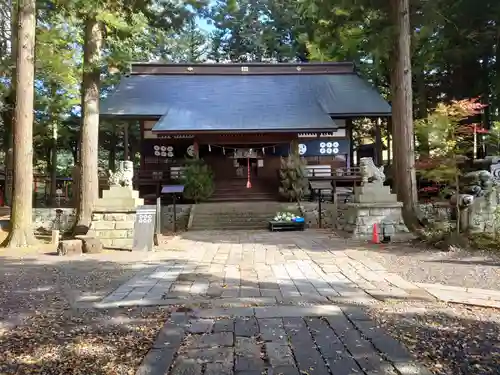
(123,176)
(370,173)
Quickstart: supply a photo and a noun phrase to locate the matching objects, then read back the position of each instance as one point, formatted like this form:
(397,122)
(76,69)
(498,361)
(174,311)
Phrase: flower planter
(275,226)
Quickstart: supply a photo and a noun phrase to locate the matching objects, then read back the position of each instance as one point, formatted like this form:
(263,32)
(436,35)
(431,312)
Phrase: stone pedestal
(114,216)
(375,204)
(119,197)
(374,193)
(387,216)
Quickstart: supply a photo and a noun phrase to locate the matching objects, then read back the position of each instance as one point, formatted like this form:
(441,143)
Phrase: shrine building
(235,116)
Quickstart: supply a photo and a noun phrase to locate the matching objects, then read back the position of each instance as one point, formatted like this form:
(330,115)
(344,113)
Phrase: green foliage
(198,181)
(256,30)
(285,216)
(449,141)
(293,178)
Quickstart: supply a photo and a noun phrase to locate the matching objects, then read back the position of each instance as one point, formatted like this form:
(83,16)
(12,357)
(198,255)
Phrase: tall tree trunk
(402,116)
(89,132)
(9,116)
(53,155)
(21,233)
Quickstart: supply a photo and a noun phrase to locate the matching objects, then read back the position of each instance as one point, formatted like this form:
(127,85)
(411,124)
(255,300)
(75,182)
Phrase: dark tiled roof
(244,103)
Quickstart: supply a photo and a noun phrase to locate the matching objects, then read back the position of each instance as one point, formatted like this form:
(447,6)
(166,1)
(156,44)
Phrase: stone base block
(120,192)
(361,218)
(118,203)
(119,197)
(69,247)
(118,244)
(91,245)
(370,193)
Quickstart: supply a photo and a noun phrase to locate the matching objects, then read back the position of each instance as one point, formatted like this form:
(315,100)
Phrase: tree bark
(21,234)
(9,115)
(402,113)
(89,133)
(53,155)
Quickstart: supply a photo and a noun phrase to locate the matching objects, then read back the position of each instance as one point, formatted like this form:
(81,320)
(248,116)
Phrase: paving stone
(201,325)
(271,293)
(295,311)
(283,370)
(210,340)
(390,348)
(249,281)
(226,312)
(224,325)
(248,355)
(231,292)
(355,313)
(361,350)
(326,340)
(279,354)
(309,299)
(186,366)
(219,369)
(249,292)
(246,327)
(268,285)
(156,362)
(343,364)
(272,330)
(211,355)
(172,333)
(306,353)
(215,290)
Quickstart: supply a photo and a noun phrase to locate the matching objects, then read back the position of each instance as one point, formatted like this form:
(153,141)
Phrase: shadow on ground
(41,332)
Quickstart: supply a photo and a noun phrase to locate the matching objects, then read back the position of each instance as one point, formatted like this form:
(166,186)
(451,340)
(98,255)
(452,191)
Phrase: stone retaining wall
(182,212)
(361,218)
(46,219)
(437,211)
(311,214)
(114,229)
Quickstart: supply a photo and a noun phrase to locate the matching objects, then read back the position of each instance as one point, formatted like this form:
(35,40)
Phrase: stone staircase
(236,215)
(235,190)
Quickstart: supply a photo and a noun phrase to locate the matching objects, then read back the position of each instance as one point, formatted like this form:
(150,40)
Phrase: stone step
(235,215)
(232,217)
(228,227)
(232,198)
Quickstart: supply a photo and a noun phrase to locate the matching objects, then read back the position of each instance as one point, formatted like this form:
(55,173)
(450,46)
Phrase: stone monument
(373,203)
(114,214)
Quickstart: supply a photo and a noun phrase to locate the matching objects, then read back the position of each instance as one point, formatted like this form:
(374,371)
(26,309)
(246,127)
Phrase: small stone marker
(55,237)
(144,228)
(69,247)
(91,245)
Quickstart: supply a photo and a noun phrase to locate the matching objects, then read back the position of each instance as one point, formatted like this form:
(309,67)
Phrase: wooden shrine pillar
(389,140)
(378,142)
(196,147)
(294,147)
(350,158)
(125,142)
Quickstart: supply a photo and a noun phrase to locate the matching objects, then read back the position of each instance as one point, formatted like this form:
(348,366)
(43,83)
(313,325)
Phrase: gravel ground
(448,339)
(456,268)
(40,331)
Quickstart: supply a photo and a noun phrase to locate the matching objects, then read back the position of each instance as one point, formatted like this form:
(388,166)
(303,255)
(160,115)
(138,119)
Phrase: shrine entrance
(243,171)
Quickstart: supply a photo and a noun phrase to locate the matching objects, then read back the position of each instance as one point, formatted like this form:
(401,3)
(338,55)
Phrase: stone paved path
(267,303)
(274,267)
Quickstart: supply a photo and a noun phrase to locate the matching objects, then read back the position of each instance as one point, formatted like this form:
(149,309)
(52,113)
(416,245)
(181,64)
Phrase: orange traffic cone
(375,238)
